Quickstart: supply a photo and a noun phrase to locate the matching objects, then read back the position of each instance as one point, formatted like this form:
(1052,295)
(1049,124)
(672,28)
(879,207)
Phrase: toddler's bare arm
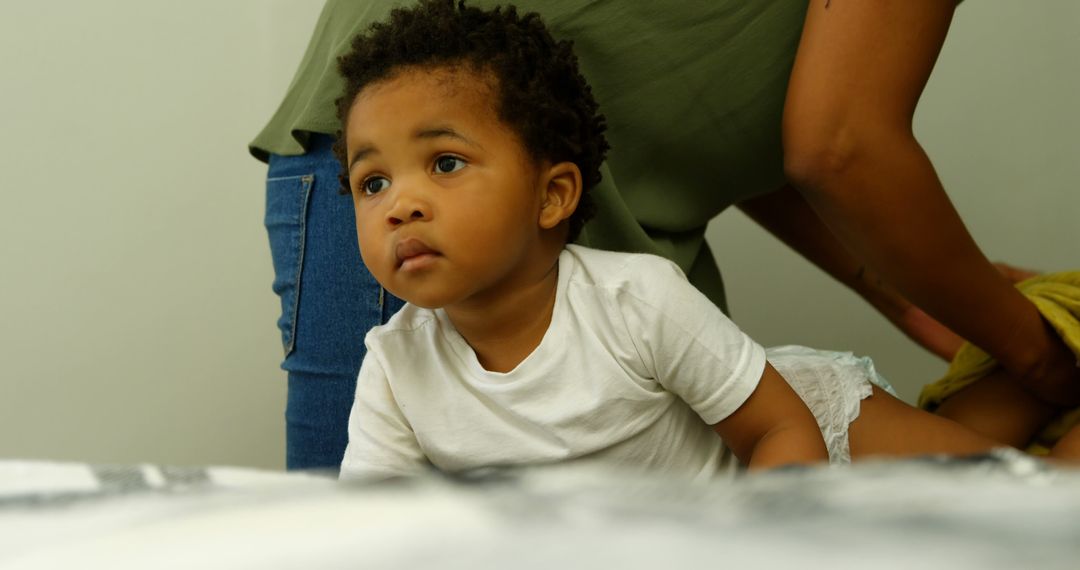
(773,427)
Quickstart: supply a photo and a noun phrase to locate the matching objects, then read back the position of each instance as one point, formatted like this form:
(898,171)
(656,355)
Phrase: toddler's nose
(408,208)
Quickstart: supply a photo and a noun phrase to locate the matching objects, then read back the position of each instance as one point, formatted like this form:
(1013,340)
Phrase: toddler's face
(447,199)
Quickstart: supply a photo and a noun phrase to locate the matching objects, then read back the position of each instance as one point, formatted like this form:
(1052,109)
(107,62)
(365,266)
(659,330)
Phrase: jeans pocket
(286,219)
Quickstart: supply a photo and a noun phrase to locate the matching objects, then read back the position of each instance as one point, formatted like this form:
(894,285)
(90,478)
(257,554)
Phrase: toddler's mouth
(412,253)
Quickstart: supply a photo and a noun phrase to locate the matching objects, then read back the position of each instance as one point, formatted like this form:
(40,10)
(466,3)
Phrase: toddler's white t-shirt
(635,367)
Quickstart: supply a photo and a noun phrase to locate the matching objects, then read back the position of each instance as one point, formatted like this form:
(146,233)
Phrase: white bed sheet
(998,511)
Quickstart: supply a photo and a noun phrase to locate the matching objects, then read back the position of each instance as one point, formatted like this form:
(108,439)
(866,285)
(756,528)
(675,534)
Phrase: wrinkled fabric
(1057,296)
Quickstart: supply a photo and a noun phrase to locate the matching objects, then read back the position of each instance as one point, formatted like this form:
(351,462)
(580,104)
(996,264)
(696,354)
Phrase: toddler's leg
(887,426)
(1068,447)
(999,408)
(837,388)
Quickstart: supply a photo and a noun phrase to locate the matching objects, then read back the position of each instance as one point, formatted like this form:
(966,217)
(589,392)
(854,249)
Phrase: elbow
(818,158)
(821,160)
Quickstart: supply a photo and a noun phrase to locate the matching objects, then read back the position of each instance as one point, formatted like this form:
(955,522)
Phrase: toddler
(470,142)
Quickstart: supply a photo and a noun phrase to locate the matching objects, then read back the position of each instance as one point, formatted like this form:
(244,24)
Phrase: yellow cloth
(1057,296)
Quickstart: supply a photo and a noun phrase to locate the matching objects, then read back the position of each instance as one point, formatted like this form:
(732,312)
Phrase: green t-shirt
(693,92)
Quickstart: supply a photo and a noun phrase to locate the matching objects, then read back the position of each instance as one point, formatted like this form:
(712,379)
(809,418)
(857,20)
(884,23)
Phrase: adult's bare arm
(851,152)
(786,215)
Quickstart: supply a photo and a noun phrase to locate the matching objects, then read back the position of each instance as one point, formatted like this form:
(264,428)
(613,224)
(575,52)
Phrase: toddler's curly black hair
(542,95)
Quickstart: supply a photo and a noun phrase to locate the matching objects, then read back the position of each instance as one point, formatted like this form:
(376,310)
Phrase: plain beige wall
(137,310)
(138,321)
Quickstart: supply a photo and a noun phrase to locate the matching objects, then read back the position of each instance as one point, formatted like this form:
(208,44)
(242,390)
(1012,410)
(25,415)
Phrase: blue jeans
(329,301)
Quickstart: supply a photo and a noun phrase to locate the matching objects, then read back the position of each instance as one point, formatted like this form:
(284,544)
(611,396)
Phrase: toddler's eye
(447,164)
(374,185)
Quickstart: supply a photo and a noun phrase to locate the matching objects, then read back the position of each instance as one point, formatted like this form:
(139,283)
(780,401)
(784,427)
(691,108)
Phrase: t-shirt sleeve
(690,346)
(381,441)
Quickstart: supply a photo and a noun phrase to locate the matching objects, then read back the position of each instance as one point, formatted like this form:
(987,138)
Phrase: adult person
(798,112)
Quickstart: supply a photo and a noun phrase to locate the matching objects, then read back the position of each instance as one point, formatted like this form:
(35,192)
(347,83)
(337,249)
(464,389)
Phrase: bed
(1001,510)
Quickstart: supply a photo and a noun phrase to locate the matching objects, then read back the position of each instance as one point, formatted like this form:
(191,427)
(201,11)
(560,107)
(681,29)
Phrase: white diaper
(833,384)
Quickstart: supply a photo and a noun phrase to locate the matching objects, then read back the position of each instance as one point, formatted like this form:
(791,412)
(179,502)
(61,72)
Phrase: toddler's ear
(562,190)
